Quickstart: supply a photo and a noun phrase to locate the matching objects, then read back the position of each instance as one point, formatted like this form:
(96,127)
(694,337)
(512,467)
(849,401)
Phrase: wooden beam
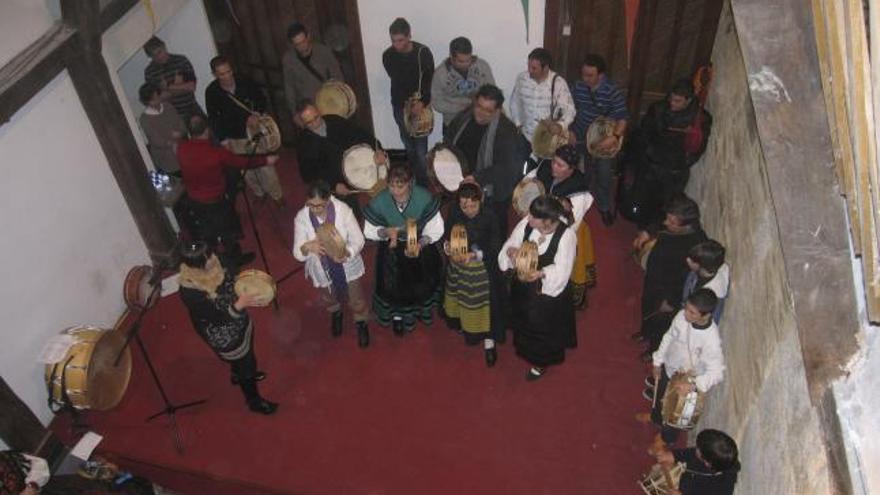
(641,55)
(115,10)
(793,128)
(33,68)
(91,79)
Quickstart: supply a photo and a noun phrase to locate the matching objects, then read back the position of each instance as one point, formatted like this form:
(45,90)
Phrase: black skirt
(402,281)
(543,326)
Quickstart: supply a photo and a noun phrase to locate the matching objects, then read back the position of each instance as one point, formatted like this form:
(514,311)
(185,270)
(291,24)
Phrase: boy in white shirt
(337,279)
(691,345)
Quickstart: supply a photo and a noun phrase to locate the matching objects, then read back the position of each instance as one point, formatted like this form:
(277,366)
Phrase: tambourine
(412,239)
(256,283)
(331,241)
(601,128)
(419,125)
(447,167)
(336,98)
(549,135)
(458,243)
(525,192)
(526,260)
(361,171)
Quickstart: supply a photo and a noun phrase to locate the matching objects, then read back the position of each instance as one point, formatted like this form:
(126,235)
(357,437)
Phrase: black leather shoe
(397,327)
(532,376)
(260,376)
(491,357)
(263,406)
(607,218)
(336,324)
(363,334)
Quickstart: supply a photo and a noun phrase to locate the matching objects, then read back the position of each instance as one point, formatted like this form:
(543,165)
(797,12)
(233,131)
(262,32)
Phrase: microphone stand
(247,204)
(170,408)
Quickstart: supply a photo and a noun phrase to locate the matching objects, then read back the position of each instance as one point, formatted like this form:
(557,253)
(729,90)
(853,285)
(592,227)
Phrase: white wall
(497,28)
(68,238)
(21,23)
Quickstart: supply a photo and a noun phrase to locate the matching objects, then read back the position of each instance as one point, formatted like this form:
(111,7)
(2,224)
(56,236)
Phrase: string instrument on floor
(682,411)
(526,261)
(458,243)
(256,283)
(336,98)
(331,241)
(85,377)
(660,480)
(412,239)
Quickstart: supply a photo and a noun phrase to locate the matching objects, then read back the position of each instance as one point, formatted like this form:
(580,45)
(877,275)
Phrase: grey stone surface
(764,401)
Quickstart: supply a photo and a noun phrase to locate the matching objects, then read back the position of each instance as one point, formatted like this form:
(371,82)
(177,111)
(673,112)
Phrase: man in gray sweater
(457,79)
(306,66)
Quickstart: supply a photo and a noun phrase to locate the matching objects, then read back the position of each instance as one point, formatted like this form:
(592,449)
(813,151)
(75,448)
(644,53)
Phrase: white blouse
(580,202)
(556,275)
(347,226)
(433,229)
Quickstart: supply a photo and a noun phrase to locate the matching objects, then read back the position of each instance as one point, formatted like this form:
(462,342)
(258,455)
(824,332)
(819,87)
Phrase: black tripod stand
(170,408)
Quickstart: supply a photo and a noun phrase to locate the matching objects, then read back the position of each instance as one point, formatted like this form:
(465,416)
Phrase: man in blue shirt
(597,96)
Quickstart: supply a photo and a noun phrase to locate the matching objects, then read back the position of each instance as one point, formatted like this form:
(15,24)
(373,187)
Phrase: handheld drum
(525,192)
(336,98)
(421,124)
(331,241)
(412,239)
(661,481)
(526,261)
(136,289)
(458,243)
(549,135)
(601,128)
(262,138)
(86,377)
(446,166)
(360,170)
(682,411)
(258,284)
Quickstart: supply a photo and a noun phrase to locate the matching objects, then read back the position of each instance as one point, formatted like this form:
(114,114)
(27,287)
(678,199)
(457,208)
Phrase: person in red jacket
(210,214)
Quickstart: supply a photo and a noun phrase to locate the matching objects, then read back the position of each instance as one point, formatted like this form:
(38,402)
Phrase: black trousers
(245,370)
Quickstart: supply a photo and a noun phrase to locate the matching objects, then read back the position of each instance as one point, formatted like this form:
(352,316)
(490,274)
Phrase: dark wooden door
(574,28)
(254,36)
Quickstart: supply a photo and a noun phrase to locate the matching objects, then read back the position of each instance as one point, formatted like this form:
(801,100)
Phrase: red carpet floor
(421,414)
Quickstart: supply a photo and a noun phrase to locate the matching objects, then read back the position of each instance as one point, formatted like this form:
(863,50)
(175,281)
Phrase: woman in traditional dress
(542,314)
(407,288)
(337,278)
(473,283)
(220,318)
(561,178)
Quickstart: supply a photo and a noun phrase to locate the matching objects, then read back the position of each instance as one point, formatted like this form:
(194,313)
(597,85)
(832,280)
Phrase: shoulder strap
(419,62)
(552,99)
(237,101)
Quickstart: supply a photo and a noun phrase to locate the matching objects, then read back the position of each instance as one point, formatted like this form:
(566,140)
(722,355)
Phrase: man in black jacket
(711,467)
(321,146)
(490,144)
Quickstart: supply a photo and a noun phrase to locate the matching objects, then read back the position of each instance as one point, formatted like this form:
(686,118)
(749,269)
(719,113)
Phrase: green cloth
(467,296)
(382,210)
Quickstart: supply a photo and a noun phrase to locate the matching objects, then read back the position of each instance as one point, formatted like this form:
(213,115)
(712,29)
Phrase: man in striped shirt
(597,96)
(174,75)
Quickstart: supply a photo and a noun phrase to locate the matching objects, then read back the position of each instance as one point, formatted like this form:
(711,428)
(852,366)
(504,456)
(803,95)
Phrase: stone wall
(763,402)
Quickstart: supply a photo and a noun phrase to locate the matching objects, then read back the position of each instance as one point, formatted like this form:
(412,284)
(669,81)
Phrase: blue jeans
(602,171)
(416,149)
